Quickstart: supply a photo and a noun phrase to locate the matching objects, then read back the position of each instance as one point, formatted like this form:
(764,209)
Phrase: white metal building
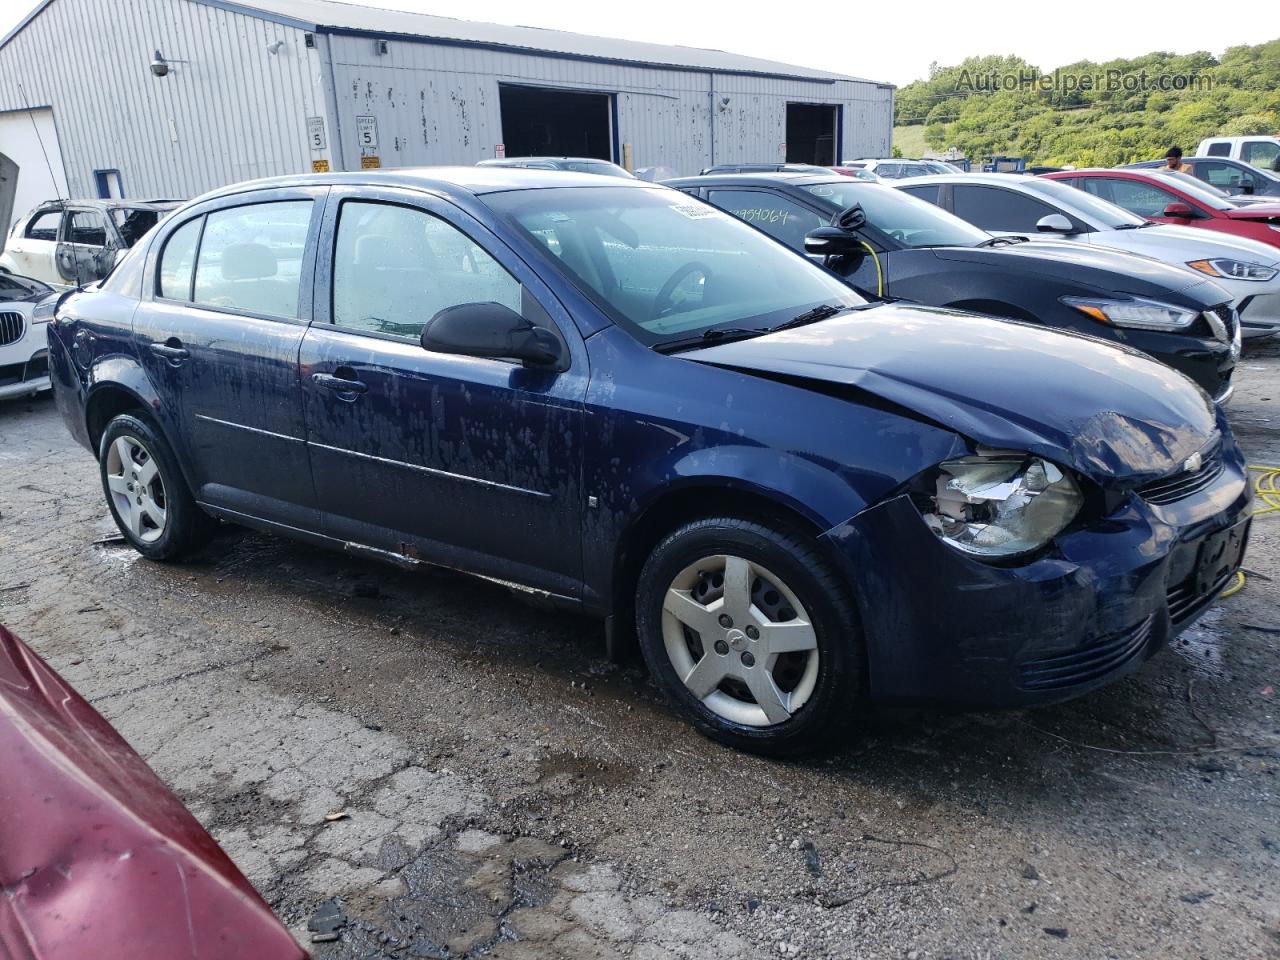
(256,88)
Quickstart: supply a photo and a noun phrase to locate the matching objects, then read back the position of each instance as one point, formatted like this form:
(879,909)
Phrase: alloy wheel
(137,489)
(740,640)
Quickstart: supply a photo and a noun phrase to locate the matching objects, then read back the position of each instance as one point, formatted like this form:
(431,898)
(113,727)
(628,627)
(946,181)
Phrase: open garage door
(538,121)
(812,132)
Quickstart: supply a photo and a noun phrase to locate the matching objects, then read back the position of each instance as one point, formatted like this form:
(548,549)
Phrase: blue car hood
(1110,413)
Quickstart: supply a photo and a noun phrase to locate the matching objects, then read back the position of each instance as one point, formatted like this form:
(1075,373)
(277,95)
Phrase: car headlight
(1134,312)
(1228,269)
(43,311)
(1001,504)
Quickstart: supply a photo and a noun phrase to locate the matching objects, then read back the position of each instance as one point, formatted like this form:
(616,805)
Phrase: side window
(1220,149)
(1141,198)
(1260,154)
(394,268)
(1223,176)
(45,226)
(781,218)
(1099,186)
(992,208)
(178,261)
(86,227)
(928,191)
(251,258)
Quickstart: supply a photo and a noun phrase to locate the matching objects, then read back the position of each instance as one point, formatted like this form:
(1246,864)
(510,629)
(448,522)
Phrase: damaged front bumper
(943,627)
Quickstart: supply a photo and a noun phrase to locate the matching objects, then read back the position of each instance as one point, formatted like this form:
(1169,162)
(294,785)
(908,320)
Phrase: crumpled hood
(1105,267)
(1108,412)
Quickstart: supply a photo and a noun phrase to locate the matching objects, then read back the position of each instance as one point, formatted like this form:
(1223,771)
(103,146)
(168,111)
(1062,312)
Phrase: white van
(1261,152)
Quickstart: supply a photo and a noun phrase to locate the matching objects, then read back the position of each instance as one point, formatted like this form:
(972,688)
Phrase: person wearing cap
(1173,161)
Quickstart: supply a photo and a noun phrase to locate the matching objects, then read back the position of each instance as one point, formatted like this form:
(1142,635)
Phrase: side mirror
(494,331)
(1246,186)
(1179,211)
(831,242)
(1054,223)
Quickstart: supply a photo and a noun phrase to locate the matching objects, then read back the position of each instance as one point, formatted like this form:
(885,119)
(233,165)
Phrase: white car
(1008,204)
(26,306)
(1261,152)
(71,243)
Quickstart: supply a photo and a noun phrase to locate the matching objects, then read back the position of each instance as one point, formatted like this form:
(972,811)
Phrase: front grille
(1091,663)
(1185,482)
(1185,603)
(12,326)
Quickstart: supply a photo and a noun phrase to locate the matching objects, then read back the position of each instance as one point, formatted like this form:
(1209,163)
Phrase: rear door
(86,250)
(467,462)
(226,300)
(33,253)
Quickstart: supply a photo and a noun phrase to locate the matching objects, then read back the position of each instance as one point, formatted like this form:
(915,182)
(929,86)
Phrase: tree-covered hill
(1095,114)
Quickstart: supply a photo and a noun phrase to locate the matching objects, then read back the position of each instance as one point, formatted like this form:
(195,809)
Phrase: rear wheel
(749,630)
(146,492)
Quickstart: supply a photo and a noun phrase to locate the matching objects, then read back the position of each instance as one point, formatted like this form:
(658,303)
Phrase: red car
(1165,197)
(97,858)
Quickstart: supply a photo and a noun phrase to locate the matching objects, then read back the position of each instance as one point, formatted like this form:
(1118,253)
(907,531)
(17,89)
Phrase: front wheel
(750,631)
(146,492)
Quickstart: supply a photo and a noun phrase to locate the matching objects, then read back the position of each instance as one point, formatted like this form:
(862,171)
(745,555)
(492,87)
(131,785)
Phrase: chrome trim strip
(241,426)
(1224,397)
(432,471)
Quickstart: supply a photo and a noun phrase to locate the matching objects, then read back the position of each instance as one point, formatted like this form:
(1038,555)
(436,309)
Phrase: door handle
(169,351)
(338,384)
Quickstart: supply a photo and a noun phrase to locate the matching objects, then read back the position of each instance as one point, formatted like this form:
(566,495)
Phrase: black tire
(797,560)
(186,528)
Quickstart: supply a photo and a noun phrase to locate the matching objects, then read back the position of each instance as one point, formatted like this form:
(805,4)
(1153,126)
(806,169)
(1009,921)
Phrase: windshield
(1211,197)
(909,220)
(666,266)
(1100,211)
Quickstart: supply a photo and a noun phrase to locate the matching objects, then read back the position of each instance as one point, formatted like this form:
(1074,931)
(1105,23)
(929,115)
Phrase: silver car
(1006,204)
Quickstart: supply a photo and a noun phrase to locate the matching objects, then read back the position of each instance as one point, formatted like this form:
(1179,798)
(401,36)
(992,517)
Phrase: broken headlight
(1000,504)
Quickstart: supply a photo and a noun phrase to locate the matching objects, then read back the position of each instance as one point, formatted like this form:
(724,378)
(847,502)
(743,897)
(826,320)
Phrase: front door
(84,254)
(473,463)
(218,330)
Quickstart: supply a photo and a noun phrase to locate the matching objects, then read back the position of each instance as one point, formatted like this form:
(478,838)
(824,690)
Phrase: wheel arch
(682,503)
(117,384)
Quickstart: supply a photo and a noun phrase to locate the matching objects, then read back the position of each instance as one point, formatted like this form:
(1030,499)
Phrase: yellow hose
(1265,489)
(879,272)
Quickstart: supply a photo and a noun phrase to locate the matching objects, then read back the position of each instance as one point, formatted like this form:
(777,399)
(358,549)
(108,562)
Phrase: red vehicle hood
(1255,211)
(97,858)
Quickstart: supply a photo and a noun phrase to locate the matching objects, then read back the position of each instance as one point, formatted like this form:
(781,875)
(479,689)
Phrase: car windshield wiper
(821,312)
(1134,226)
(725,335)
(1000,241)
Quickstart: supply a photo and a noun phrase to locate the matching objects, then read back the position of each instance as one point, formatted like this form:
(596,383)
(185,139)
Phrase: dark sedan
(625,401)
(903,247)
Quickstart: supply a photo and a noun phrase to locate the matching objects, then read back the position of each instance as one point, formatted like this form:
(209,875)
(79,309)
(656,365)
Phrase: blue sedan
(617,397)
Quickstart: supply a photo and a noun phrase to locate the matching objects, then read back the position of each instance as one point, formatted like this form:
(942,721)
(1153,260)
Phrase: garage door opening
(812,129)
(556,123)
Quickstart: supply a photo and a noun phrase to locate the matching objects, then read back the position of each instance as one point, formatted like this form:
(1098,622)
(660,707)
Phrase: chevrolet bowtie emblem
(1192,463)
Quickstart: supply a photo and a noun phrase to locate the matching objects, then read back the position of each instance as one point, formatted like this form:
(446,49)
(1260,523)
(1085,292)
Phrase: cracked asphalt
(467,776)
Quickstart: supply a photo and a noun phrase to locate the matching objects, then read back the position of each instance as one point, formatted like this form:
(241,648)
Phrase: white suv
(26,306)
(1260,152)
(70,243)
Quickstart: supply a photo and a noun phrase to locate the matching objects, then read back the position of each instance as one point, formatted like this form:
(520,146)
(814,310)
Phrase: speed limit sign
(367,132)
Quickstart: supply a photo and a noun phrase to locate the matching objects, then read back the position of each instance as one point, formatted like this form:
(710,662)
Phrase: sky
(884,42)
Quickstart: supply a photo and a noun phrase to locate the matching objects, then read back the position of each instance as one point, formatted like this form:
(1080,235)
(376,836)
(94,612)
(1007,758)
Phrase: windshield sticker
(822,191)
(695,213)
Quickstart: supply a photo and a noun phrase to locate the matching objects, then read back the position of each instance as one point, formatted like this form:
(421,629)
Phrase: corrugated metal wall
(234,112)
(439,104)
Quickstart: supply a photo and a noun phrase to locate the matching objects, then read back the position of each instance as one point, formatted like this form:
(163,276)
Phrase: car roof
(457,180)
(988,179)
(499,161)
(763,178)
(110,204)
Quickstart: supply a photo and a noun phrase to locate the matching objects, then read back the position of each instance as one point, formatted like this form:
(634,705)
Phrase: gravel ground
(504,791)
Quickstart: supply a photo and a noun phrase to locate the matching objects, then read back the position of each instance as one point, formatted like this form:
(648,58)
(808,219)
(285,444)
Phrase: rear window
(133,223)
(250,258)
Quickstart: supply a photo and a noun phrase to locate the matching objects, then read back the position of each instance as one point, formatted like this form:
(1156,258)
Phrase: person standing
(1173,161)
